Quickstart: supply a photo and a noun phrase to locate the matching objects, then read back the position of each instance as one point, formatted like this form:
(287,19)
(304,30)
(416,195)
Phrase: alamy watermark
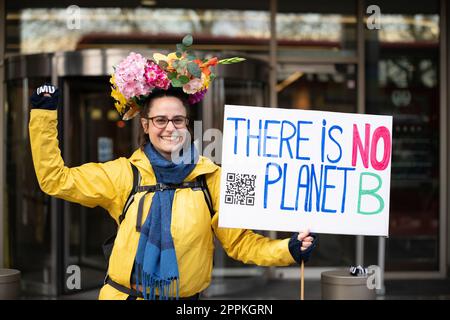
(73,18)
(374,277)
(212,150)
(374,19)
(73,281)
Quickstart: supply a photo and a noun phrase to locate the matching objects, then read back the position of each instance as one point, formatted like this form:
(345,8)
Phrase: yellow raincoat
(109,184)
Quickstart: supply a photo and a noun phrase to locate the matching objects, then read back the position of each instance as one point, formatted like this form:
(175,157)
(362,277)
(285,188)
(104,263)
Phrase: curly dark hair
(143,138)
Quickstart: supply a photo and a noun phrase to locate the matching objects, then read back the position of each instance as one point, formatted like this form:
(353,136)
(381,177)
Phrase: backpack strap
(136,182)
(206,194)
(197,184)
(109,243)
(170,186)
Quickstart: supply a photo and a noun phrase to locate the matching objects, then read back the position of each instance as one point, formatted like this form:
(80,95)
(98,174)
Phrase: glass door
(403,80)
(31,213)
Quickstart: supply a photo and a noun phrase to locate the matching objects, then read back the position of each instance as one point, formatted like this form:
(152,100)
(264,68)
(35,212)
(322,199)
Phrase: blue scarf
(156,261)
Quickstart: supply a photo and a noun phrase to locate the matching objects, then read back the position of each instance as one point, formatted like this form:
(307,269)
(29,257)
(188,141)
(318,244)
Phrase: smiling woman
(167,211)
(164,121)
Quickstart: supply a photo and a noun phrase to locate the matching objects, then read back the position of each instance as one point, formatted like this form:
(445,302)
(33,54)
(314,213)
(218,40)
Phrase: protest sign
(287,170)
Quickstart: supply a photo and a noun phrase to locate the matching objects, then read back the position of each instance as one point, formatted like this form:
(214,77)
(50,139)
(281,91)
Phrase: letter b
(370,192)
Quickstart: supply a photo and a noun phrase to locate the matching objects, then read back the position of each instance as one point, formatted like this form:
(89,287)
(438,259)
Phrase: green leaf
(172,75)
(181,48)
(190,55)
(182,63)
(184,79)
(175,63)
(212,76)
(179,54)
(176,83)
(194,69)
(188,40)
(231,60)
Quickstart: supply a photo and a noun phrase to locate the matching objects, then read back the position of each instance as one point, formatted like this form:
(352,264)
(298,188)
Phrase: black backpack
(198,184)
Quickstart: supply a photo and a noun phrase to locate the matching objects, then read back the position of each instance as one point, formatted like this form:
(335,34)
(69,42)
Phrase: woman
(164,246)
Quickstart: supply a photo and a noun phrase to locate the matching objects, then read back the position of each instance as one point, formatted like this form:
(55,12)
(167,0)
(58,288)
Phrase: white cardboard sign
(288,170)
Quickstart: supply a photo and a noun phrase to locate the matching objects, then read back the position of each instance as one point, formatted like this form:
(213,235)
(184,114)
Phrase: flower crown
(135,77)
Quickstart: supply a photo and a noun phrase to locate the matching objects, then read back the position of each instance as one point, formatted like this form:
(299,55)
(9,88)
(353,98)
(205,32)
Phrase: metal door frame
(2,132)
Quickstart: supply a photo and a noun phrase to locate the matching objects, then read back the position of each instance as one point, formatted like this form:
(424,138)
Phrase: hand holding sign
(306,243)
(301,245)
(306,239)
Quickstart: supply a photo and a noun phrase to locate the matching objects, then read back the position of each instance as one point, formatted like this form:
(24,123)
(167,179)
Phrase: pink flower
(155,76)
(193,86)
(129,76)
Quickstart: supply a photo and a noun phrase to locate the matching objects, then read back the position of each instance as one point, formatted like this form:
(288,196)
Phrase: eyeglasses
(161,122)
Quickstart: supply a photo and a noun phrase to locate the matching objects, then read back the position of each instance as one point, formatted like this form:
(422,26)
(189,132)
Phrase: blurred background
(376,57)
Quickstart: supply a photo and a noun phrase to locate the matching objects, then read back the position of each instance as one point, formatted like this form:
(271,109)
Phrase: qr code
(240,189)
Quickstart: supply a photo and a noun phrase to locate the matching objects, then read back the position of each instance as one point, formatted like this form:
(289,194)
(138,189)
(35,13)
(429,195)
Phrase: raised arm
(92,184)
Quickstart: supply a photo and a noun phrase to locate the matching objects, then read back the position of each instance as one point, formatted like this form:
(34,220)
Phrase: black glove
(295,248)
(39,101)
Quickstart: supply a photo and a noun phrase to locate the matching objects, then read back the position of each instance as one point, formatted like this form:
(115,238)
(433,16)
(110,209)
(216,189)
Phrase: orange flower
(206,71)
(204,66)
(198,62)
(210,62)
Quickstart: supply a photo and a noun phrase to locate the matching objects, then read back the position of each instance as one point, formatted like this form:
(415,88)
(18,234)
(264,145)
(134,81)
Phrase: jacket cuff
(295,247)
(44,103)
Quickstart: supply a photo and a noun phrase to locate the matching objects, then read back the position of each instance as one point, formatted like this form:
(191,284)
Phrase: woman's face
(170,137)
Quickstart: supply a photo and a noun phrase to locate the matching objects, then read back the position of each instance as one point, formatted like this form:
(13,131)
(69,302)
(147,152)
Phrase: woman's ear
(144,123)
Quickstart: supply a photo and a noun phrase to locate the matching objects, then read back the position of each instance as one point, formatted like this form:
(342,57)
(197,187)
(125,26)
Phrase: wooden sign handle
(302,281)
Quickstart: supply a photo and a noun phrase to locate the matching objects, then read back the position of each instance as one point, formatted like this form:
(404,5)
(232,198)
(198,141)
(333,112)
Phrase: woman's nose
(170,127)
